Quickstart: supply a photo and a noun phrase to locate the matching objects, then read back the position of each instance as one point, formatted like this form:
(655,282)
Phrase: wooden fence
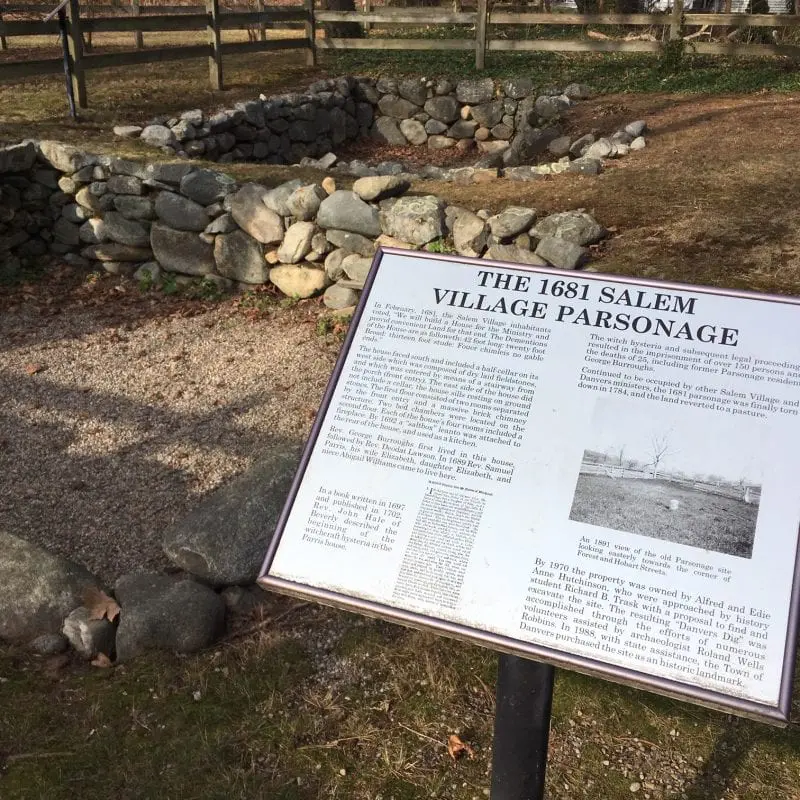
(676,26)
(211,20)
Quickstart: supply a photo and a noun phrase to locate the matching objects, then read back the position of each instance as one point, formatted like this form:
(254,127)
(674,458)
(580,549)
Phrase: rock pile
(509,125)
(305,238)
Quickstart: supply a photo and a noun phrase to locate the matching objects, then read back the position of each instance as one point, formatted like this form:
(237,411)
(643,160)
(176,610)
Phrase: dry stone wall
(306,238)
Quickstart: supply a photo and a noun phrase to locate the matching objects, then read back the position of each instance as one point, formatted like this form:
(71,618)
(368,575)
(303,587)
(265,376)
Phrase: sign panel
(595,471)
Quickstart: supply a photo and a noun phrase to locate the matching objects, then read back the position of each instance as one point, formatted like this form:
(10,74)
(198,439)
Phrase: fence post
(215,45)
(75,44)
(262,26)
(368,8)
(138,37)
(311,35)
(3,42)
(481,21)
(676,22)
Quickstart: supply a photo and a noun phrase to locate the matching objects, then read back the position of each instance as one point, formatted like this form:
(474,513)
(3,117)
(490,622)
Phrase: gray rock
(132,207)
(474,92)
(123,268)
(169,173)
(194,116)
(38,589)
(577,227)
(514,255)
(222,224)
(602,148)
(302,130)
(433,127)
(248,209)
(560,253)
(48,644)
(444,109)
(299,281)
(551,107)
(517,88)
(638,143)
(183,131)
(393,106)
(296,243)
(159,613)
(578,91)
(417,220)
(180,212)
(488,114)
(581,145)
(586,166)
(528,144)
(511,221)
(414,131)
(205,186)
(463,129)
(414,90)
(559,147)
(180,251)
(346,211)
(65,157)
(333,264)
(441,142)
(159,136)
(387,131)
(377,188)
(72,212)
(351,242)
(240,257)
(150,271)
(304,202)
(277,199)
(122,166)
(469,234)
(88,636)
(636,129)
(356,268)
(125,231)
(337,297)
(18,157)
(64,231)
(502,131)
(113,251)
(125,184)
(93,231)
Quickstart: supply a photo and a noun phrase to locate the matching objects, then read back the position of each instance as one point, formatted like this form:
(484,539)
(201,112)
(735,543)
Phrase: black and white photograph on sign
(684,476)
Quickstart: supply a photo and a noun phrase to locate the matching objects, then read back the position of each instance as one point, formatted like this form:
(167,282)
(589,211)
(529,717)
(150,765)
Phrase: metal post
(521,728)
(62,26)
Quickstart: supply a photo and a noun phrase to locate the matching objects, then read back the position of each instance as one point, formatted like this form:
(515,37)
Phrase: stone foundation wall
(286,129)
(305,238)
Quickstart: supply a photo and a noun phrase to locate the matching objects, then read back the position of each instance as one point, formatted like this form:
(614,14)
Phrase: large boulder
(240,257)
(414,90)
(346,211)
(205,186)
(224,539)
(162,613)
(391,105)
(65,157)
(577,227)
(444,109)
(125,231)
(296,244)
(181,251)
(253,216)
(17,157)
(180,212)
(528,143)
(561,253)
(38,589)
(417,220)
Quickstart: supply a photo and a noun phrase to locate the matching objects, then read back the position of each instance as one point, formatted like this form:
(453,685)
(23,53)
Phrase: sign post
(521,728)
(588,471)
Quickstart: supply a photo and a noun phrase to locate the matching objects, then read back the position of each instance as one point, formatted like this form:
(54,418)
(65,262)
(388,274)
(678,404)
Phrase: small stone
(511,221)
(414,131)
(357,268)
(333,264)
(150,272)
(469,234)
(125,231)
(296,243)
(379,187)
(475,91)
(352,242)
(636,129)
(418,220)
(304,202)
(248,210)
(561,253)
(440,142)
(88,636)
(638,143)
(125,184)
(329,185)
(339,297)
(514,255)
(48,644)
(159,136)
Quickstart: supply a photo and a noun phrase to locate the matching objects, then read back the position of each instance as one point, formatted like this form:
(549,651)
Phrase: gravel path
(119,410)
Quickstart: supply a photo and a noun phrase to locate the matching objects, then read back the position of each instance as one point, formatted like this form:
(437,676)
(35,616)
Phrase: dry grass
(705,520)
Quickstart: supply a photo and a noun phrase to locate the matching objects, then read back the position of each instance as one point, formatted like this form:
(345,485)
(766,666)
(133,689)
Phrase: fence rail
(482,22)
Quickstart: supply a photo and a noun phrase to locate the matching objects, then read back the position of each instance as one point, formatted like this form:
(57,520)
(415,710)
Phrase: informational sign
(595,471)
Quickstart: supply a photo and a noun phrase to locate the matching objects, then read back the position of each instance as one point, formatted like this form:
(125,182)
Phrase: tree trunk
(343,30)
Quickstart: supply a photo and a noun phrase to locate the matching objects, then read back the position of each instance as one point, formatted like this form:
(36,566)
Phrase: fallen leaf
(102,660)
(100,605)
(456,748)
(32,369)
